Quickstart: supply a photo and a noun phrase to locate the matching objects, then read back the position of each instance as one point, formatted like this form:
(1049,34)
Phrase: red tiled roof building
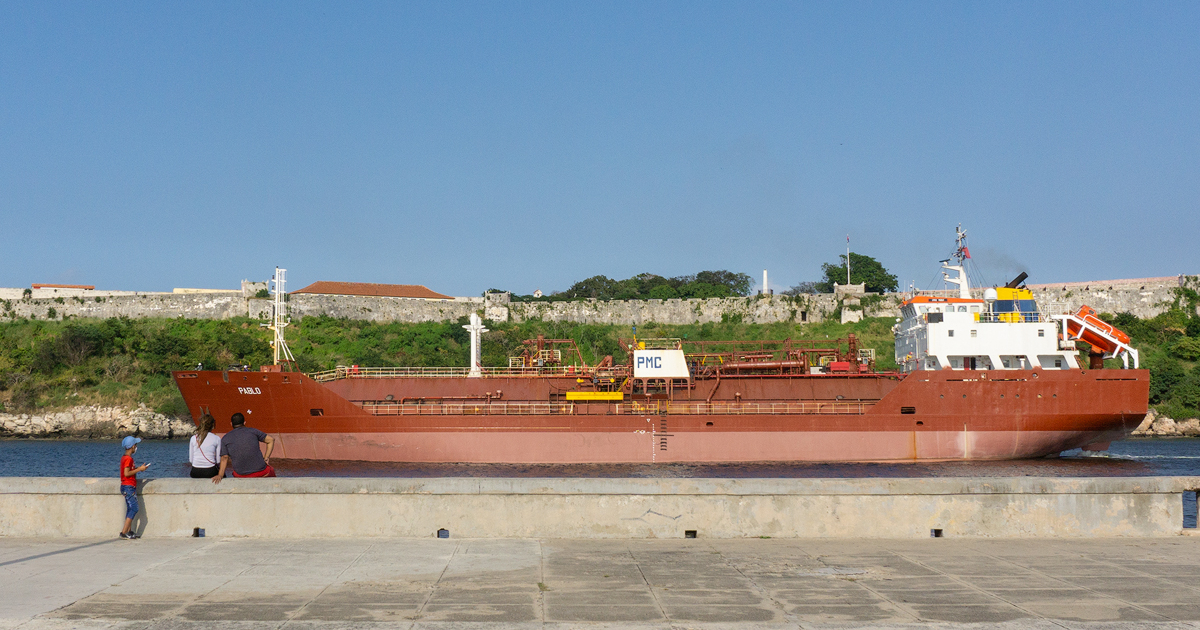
(325,287)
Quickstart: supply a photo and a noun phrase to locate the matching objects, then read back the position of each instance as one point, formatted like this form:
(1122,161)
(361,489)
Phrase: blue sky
(528,145)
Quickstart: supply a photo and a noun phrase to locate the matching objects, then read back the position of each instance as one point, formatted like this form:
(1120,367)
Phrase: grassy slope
(54,364)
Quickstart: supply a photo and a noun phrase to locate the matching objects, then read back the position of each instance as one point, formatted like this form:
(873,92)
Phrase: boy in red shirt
(129,472)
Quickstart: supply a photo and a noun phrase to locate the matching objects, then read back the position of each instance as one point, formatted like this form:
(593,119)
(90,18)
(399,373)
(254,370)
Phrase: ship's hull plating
(941,415)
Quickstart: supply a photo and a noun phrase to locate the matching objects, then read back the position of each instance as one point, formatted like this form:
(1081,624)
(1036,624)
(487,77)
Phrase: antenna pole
(847,260)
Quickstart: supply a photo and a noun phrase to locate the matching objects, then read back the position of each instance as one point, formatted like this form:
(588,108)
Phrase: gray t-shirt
(241,445)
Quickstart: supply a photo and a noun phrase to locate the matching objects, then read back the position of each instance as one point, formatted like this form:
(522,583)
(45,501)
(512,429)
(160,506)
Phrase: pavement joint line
(759,589)
(541,579)
(958,580)
(204,594)
(897,606)
(1090,590)
(433,587)
(329,584)
(1150,575)
(177,558)
(657,602)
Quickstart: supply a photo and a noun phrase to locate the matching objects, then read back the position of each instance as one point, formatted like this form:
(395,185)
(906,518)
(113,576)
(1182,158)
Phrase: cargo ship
(987,375)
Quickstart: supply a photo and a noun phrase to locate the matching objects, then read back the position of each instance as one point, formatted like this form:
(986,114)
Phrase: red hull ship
(1006,387)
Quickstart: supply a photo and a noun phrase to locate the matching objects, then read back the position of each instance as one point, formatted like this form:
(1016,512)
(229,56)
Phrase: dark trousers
(205,473)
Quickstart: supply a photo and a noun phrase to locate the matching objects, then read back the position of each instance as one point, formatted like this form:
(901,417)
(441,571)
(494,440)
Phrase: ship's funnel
(1016,282)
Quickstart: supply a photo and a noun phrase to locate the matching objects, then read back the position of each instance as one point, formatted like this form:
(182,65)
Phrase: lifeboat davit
(1102,335)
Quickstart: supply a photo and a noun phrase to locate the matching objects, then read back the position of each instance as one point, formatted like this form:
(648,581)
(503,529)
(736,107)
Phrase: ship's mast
(280,320)
(961,253)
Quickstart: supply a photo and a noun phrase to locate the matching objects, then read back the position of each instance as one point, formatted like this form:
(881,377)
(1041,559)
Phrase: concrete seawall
(605,508)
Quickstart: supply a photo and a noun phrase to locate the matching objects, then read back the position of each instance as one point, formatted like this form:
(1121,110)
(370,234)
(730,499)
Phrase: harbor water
(168,458)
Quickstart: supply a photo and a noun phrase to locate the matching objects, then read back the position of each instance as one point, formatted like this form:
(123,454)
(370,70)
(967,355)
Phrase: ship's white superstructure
(1003,331)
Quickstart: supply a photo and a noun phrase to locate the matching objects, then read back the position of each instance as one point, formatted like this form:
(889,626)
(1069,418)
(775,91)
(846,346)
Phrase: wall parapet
(1142,300)
(605,508)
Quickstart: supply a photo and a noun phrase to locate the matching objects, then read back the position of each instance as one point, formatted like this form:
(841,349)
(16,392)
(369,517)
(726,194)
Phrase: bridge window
(951,332)
(974,333)
(1041,332)
(962,309)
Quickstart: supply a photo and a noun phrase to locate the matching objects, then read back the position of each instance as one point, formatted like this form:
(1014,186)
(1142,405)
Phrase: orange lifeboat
(1100,334)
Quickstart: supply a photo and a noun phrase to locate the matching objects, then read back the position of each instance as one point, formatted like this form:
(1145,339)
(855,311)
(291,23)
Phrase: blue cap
(129,441)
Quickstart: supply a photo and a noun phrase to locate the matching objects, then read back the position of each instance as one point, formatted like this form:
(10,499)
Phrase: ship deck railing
(340,373)
(671,408)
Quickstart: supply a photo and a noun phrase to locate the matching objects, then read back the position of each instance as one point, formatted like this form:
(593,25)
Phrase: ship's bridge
(1004,331)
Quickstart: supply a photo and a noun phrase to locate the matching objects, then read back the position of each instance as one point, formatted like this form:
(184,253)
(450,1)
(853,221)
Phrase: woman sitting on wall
(204,450)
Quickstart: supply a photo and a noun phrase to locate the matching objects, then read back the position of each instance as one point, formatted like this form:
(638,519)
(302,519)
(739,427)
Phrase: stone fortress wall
(1144,297)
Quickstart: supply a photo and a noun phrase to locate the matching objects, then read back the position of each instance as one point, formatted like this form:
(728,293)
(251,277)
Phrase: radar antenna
(961,253)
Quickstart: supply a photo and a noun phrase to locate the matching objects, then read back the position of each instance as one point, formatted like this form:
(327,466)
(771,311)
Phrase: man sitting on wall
(240,449)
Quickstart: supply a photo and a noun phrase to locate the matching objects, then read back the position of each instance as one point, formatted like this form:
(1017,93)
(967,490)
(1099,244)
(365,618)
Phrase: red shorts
(266,472)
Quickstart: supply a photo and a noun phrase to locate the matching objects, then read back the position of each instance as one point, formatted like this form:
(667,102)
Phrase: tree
(737,283)
(863,270)
(600,287)
(704,290)
(662,292)
(804,288)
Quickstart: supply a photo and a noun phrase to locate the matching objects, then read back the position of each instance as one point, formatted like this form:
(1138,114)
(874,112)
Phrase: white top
(207,454)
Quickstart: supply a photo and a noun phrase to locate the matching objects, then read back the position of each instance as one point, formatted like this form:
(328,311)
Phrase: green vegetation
(120,361)
(648,286)
(1169,345)
(863,270)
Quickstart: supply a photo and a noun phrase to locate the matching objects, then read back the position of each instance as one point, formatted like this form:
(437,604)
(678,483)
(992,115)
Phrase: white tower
(476,329)
(764,289)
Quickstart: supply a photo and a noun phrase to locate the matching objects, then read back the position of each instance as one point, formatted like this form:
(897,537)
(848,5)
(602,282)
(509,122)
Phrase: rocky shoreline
(95,422)
(1156,425)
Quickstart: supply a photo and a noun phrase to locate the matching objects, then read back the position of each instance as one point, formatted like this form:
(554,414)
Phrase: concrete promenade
(314,584)
(570,508)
